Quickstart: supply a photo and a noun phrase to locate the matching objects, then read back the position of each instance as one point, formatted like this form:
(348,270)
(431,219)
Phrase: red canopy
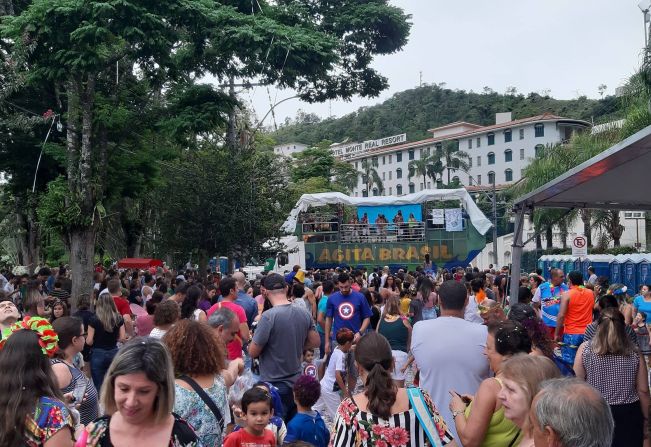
(139,263)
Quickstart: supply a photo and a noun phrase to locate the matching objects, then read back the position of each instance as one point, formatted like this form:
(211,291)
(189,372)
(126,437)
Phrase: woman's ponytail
(373,353)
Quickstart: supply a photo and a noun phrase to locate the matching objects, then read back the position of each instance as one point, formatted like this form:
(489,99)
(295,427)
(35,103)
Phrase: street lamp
(645,6)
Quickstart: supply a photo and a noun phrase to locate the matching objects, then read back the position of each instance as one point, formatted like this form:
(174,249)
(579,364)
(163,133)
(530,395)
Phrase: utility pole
(231,134)
(420,78)
(494,224)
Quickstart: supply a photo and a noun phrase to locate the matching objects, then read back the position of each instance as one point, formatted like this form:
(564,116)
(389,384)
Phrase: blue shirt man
(248,303)
(346,309)
(550,297)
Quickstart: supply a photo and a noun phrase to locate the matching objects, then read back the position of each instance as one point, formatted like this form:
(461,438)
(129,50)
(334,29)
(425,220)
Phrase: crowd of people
(341,357)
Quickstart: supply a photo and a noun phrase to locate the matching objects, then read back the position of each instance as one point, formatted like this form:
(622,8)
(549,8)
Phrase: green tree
(313,162)
(453,158)
(427,166)
(370,176)
(322,50)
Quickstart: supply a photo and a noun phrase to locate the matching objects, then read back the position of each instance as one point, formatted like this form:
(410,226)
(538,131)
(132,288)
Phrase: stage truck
(332,229)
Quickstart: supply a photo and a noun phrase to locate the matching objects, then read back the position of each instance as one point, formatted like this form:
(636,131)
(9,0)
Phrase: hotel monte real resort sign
(349,150)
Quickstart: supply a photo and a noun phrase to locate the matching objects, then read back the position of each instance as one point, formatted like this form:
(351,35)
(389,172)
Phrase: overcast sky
(568,47)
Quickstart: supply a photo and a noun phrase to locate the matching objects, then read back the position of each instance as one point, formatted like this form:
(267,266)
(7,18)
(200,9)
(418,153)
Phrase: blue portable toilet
(223,265)
(585,263)
(616,275)
(541,263)
(577,264)
(601,264)
(628,273)
(643,269)
(561,263)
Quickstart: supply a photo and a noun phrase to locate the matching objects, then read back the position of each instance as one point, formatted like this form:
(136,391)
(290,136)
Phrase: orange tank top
(579,310)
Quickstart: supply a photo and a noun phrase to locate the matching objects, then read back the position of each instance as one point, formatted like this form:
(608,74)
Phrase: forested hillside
(416,110)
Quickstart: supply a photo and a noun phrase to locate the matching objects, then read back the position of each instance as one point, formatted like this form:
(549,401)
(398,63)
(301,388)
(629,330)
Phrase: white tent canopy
(479,221)
(616,179)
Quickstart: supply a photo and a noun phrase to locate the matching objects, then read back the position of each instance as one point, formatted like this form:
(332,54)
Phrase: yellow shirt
(404,306)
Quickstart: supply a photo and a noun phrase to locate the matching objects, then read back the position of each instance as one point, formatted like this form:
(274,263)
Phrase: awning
(139,263)
(616,179)
(479,221)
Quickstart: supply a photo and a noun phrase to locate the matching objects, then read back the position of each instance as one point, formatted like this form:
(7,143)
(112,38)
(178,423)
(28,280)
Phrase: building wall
(522,151)
(289,149)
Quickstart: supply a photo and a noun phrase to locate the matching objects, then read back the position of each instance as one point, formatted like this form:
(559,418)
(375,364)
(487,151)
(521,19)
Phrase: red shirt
(242,438)
(235,347)
(122,305)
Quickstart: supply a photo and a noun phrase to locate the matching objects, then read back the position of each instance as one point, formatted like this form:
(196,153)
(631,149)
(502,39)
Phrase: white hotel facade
(500,151)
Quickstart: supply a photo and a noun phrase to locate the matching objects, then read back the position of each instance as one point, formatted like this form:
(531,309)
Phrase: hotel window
(398,173)
(428,151)
(470,162)
(355,165)
(469,143)
(470,181)
(390,156)
(384,160)
(491,158)
(491,177)
(479,179)
(412,188)
(374,161)
(375,192)
(540,130)
(508,155)
(539,150)
(411,154)
(508,175)
(398,157)
(399,190)
(478,141)
(521,154)
(390,193)
(365,193)
(478,160)
(421,187)
(420,153)
(390,174)
(491,139)
(522,134)
(384,176)
(507,136)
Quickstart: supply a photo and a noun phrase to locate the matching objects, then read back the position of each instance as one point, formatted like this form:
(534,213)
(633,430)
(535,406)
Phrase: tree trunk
(549,235)
(538,242)
(28,240)
(82,252)
(586,217)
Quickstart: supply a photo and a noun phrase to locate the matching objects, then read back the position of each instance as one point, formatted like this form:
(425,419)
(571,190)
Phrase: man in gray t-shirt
(282,334)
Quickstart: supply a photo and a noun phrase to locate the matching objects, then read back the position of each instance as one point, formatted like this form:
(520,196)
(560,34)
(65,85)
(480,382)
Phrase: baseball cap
(273,281)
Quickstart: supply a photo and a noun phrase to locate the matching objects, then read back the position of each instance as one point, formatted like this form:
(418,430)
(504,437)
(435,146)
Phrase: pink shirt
(235,347)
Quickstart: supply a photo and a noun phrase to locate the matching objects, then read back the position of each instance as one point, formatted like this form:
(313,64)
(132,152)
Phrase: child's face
(308,357)
(257,417)
(638,318)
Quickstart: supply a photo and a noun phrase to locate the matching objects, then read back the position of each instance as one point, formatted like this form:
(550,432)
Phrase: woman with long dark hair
(427,293)
(70,331)
(384,414)
(609,355)
(32,411)
(189,307)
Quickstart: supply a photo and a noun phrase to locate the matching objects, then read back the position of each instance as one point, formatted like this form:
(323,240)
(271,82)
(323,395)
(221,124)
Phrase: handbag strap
(424,417)
(205,398)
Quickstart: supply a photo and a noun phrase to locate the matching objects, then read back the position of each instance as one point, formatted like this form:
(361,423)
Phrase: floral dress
(189,405)
(50,416)
(357,428)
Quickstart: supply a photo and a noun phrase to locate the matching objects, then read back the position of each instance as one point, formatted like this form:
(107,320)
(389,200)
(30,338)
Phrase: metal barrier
(387,232)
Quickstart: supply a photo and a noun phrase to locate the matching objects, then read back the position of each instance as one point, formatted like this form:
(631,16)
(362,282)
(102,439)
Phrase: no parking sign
(579,246)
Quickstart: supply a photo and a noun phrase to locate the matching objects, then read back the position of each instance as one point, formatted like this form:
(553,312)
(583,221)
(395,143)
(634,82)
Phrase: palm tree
(610,223)
(428,166)
(370,175)
(453,157)
(586,217)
